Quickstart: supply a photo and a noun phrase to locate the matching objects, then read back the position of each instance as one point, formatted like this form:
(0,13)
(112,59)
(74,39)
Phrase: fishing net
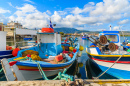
(112,47)
(103,39)
(25,53)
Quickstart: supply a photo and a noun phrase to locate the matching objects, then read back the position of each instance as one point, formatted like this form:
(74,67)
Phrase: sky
(92,15)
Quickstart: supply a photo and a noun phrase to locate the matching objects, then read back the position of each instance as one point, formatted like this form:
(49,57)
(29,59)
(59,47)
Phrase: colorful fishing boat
(50,57)
(108,55)
(5,51)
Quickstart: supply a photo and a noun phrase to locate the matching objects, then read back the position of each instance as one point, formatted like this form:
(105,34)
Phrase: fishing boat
(27,38)
(108,55)
(84,37)
(5,51)
(51,58)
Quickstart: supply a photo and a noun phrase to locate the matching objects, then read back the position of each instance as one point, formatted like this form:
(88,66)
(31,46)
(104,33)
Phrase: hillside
(65,30)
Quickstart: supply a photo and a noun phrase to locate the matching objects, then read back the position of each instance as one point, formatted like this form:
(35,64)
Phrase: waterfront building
(1,26)
(9,28)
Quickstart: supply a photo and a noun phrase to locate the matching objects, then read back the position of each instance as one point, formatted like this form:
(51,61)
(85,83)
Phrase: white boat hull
(32,75)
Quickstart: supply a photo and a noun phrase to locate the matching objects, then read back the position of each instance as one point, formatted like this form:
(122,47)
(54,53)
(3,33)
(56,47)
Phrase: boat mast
(110,27)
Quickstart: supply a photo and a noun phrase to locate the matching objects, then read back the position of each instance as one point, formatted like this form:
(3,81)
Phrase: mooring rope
(1,70)
(109,67)
(60,75)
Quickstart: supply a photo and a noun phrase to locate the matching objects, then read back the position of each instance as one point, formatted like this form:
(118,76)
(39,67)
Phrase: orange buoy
(15,51)
(71,55)
(128,45)
(8,48)
(58,58)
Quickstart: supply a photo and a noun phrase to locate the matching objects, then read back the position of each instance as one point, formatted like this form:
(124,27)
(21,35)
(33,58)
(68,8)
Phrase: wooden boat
(111,58)
(48,47)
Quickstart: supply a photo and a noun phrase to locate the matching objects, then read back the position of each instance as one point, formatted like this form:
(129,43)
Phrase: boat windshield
(112,38)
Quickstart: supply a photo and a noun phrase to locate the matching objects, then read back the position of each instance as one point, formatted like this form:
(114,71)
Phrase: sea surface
(80,67)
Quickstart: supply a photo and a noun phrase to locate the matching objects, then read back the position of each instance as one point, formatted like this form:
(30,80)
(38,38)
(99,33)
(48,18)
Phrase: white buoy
(2,41)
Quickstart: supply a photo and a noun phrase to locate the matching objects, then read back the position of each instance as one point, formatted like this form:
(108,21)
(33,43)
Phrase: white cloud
(48,12)
(124,21)
(29,1)
(76,11)
(91,14)
(3,19)
(56,17)
(97,24)
(116,28)
(26,8)
(10,4)
(4,11)
(30,17)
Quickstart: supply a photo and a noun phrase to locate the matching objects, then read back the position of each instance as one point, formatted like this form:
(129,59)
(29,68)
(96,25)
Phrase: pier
(77,82)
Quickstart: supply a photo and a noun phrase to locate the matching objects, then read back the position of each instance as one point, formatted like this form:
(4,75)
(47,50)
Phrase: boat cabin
(112,36)
(49,44)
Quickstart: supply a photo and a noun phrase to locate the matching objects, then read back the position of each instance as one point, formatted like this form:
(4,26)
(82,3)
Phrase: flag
(50,25)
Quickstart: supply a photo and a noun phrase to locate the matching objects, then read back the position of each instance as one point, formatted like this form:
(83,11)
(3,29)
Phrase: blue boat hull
(27,38)
(6,54)
(85,38)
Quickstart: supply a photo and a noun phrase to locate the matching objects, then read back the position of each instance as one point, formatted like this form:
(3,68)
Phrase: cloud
(98,24)
(48,12)
(91,14)
(4,11)
(26,8)
(10,4)
(29,1)
(3,19)
(30,17)
(116,28)
(123,22)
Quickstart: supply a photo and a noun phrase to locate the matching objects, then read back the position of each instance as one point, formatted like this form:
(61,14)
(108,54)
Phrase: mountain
(82,31)
(65,30)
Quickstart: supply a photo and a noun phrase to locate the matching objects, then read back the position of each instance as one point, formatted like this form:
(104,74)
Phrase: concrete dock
(77,82)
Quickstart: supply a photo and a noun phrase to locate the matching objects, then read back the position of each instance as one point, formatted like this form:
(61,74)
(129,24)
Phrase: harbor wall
(77,82)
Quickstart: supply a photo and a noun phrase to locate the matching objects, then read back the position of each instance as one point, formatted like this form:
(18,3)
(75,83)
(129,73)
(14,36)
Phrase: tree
(61,33)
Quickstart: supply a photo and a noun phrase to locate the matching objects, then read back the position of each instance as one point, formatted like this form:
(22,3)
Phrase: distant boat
(85,37)
(27,38)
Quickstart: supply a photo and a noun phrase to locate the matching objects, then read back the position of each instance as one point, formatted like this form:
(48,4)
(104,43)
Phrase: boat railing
(21,44)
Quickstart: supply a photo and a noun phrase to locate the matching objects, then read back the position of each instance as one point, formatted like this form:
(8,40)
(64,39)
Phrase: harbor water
(80,69)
